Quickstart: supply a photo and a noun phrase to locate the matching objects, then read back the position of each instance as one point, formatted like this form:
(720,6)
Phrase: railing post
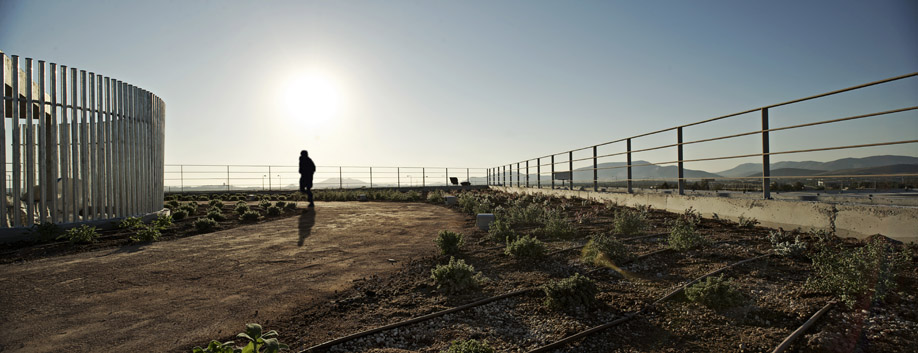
(340,179)
(447,176)
(595,171)
(539,172)
(182,177)
(679,150)
(504,175)
(527,173)
(766,158)
(570,164)
(371,177)
(269,178)
(227,178)
(629,166)
(552,172)
(517,174)
(423,178)
(398,177)
(468,176)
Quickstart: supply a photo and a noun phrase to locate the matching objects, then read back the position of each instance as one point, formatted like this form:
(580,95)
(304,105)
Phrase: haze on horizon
(480,84)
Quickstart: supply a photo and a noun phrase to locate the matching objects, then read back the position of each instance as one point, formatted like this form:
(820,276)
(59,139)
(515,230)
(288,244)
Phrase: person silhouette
(307,169)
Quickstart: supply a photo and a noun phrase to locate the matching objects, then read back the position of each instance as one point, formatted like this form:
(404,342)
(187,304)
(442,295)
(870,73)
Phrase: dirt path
(160,296)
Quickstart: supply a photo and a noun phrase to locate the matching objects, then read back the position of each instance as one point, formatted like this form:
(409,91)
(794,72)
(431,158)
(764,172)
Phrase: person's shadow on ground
(305,223)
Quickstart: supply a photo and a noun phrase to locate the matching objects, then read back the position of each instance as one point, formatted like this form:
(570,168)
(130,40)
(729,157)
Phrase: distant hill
(888,169)
(755,169)
(789,172)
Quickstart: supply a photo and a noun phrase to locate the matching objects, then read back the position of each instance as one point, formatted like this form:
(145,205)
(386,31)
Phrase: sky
(484,83)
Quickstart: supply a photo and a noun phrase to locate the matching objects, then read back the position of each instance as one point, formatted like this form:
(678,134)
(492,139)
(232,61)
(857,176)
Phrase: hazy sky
(482,83)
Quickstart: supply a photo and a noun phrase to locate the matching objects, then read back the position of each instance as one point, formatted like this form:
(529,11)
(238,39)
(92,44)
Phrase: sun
(312,98)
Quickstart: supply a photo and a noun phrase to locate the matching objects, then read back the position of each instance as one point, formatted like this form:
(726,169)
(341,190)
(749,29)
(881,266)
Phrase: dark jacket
(307,167)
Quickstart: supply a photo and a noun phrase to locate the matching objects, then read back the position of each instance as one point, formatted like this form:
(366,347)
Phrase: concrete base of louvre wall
(9,235)
(848,220)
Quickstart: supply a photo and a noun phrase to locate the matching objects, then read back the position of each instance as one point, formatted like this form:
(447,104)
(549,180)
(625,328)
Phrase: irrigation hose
(414,320)
(799,331)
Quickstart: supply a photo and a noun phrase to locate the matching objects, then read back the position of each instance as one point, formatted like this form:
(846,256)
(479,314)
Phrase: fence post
(679,152)
(371,177)
(340,179)
(766,158)
(423,178)
(269,178)
(539,172)
(552,172)
(629,166)
(182,177)
(570,164)
(447,176)
(503,174)
(227,178)
(398,177)
(3,133)
(595,171)
(527,173)
(468,176)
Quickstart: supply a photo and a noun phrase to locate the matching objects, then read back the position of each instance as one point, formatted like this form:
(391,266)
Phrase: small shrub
(264,204)
(455,277)
(692,216)
(499,231)
(250,217)
(469,346)
(257,342)
(525,247)
(191,208)
(629,222)
(867,272)
(216,215)
(683,237)
(274,211)
(557,226)
(290,206)
(449,242)
(179,215)
(217,347)
(162,222)
(203,198)
(145,234)
(131,223)
(174,204)
(603,249)
(715,292)
(281,198)
(281,204)
(241,208)
(45,231)
(744,222)
(204,225)
(81,234)
(435,197)
(574,291)
(216,203)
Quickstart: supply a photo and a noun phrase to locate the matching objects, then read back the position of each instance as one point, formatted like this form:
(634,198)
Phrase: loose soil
(171,295)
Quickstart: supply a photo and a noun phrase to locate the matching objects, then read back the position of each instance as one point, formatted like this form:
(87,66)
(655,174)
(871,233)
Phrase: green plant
(456,276)
(795,249)
(179,215)
(692,216)
(217,347)
(131,223)
(867,272)
(204,225)
(216,215)
(557,226)
(435,197)
(215,203)
(241,208)
(525,247)
(604,249)
(715,292)
(290,206)
(203,198)
(162,222)
(174,203)
(744,222)
(81,234)
(264,204)
(576,290)
(190,208)
(259,342)
(281,204)
(146,233)
(629,222)
(449,242)
(499,231)
(250,217)
(45,231)
(469,346)
(682,236)
(274,211)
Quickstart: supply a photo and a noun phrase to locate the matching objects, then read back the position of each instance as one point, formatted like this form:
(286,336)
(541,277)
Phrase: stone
(483,220)
(451,200)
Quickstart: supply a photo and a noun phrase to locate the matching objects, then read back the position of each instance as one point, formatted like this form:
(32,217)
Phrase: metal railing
(204,177)
(549,170)
(98,155)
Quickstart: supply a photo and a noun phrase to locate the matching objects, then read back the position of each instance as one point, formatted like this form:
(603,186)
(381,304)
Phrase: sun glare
(313,99)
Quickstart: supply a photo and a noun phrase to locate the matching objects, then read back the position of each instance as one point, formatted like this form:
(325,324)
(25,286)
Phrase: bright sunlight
(312,98)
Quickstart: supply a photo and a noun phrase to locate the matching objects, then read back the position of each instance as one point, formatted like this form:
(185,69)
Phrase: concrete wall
(850,220)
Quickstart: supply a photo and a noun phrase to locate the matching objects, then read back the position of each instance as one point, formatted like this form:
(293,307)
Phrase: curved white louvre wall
(76,146)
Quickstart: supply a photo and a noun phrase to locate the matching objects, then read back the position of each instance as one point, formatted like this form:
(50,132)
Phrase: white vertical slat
(135,145)
(109,146)
(99,159)
(129,143)
(75,147)
(44,163)
(65,184)
(17,170)
(94,112)
(30,146)
(122,150)
(147,155)
(84,149)
(3,75)
(53,147)
(117,164)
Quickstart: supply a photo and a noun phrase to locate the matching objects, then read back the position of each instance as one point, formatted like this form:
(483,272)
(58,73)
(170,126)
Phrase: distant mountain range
(809,167)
